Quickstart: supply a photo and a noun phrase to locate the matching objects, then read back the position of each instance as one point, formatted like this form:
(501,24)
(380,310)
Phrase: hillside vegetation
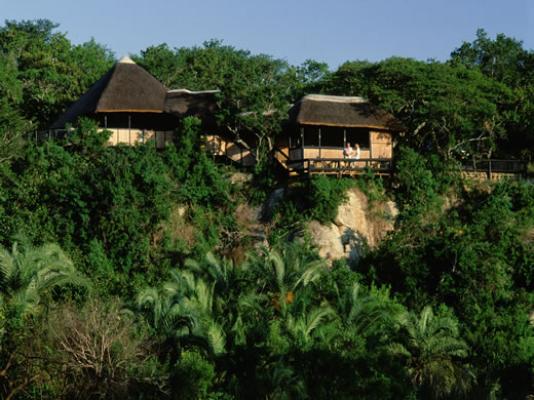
(127,272)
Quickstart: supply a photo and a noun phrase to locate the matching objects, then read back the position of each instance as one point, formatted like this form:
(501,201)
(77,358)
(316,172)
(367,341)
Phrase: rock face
(357,226)
(327,240)
(240,177)
(248,219)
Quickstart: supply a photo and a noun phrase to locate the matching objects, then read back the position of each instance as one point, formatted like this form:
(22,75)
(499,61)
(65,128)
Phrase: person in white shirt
(347,151)
(357,151)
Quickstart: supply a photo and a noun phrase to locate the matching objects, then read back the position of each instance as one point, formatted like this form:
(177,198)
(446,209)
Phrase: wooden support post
(105,122)
(302,142)
(370,145)
(129,129)
(320,152)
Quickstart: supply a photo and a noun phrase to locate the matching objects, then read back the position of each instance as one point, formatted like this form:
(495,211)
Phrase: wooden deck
(340,166)
(493,169)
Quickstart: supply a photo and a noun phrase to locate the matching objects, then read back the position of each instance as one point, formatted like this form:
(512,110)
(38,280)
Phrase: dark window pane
(358,135)
(295,139)
(311,136)
(331,136)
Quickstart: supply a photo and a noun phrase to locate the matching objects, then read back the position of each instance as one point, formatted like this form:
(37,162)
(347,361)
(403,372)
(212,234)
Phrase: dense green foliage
(127,272)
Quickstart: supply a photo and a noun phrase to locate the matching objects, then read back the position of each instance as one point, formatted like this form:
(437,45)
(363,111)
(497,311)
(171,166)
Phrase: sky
(331,31)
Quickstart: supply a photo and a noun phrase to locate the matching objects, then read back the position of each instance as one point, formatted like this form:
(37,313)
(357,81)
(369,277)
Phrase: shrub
(193,376)
(96,348)
(326,195)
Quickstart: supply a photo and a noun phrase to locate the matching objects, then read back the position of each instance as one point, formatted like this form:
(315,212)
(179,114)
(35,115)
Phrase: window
(311,136)
(331,136)
(358,135)
(294,139)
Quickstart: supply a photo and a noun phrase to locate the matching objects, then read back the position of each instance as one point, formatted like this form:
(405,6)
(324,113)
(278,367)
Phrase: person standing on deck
(347,151)
(357,151)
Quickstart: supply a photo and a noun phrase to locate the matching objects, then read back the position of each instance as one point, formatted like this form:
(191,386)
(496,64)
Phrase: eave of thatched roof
(126,87)
(341,111)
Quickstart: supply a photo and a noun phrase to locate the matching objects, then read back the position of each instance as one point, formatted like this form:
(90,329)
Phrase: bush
(192,377)
(96,348)
(326,195)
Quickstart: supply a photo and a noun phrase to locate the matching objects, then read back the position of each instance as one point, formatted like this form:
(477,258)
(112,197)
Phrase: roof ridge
(334,98)
(187,91)
(126,60)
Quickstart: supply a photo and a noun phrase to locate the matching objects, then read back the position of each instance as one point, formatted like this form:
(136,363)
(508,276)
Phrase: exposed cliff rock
(358,225)
(327,239)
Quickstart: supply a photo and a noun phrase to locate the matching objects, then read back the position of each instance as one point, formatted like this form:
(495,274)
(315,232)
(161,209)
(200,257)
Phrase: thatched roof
(126,87)
(188,102)
(342,111)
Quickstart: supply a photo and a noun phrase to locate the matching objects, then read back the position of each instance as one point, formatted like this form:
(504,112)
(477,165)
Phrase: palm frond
(311,274)
(279,267)
(216,338)
(316,316)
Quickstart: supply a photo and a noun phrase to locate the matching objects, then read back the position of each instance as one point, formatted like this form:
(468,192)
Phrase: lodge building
(135,107)
(322,126)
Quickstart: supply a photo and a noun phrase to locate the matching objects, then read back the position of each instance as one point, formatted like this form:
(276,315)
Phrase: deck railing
(492,166)
(340,166)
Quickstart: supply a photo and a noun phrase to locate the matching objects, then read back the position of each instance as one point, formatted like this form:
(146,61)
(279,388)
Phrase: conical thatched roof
(342,111)
(126,87)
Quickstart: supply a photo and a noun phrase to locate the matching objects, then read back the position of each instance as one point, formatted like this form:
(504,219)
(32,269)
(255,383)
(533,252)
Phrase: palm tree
(27,275)
(184,310)
(305,326)
(433,352)
(282,273)
(367,313)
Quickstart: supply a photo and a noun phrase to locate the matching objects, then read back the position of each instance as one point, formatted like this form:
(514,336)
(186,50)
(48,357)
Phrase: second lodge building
(322,127)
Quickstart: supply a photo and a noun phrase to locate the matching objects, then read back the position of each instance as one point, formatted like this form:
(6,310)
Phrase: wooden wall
(220,146)
(381,145)
(135,136)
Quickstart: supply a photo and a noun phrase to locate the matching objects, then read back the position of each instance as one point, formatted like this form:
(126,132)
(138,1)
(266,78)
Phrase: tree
(445,109)
(96,351)
(474,258)
(255,90)
(52,72)
(185,311)
(28,275)
(506,60)
(434,352)
(27,279)
(503,59)
(12,124)
(311,77)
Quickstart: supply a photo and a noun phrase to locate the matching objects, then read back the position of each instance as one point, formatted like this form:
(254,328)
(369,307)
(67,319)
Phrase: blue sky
(331,31)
